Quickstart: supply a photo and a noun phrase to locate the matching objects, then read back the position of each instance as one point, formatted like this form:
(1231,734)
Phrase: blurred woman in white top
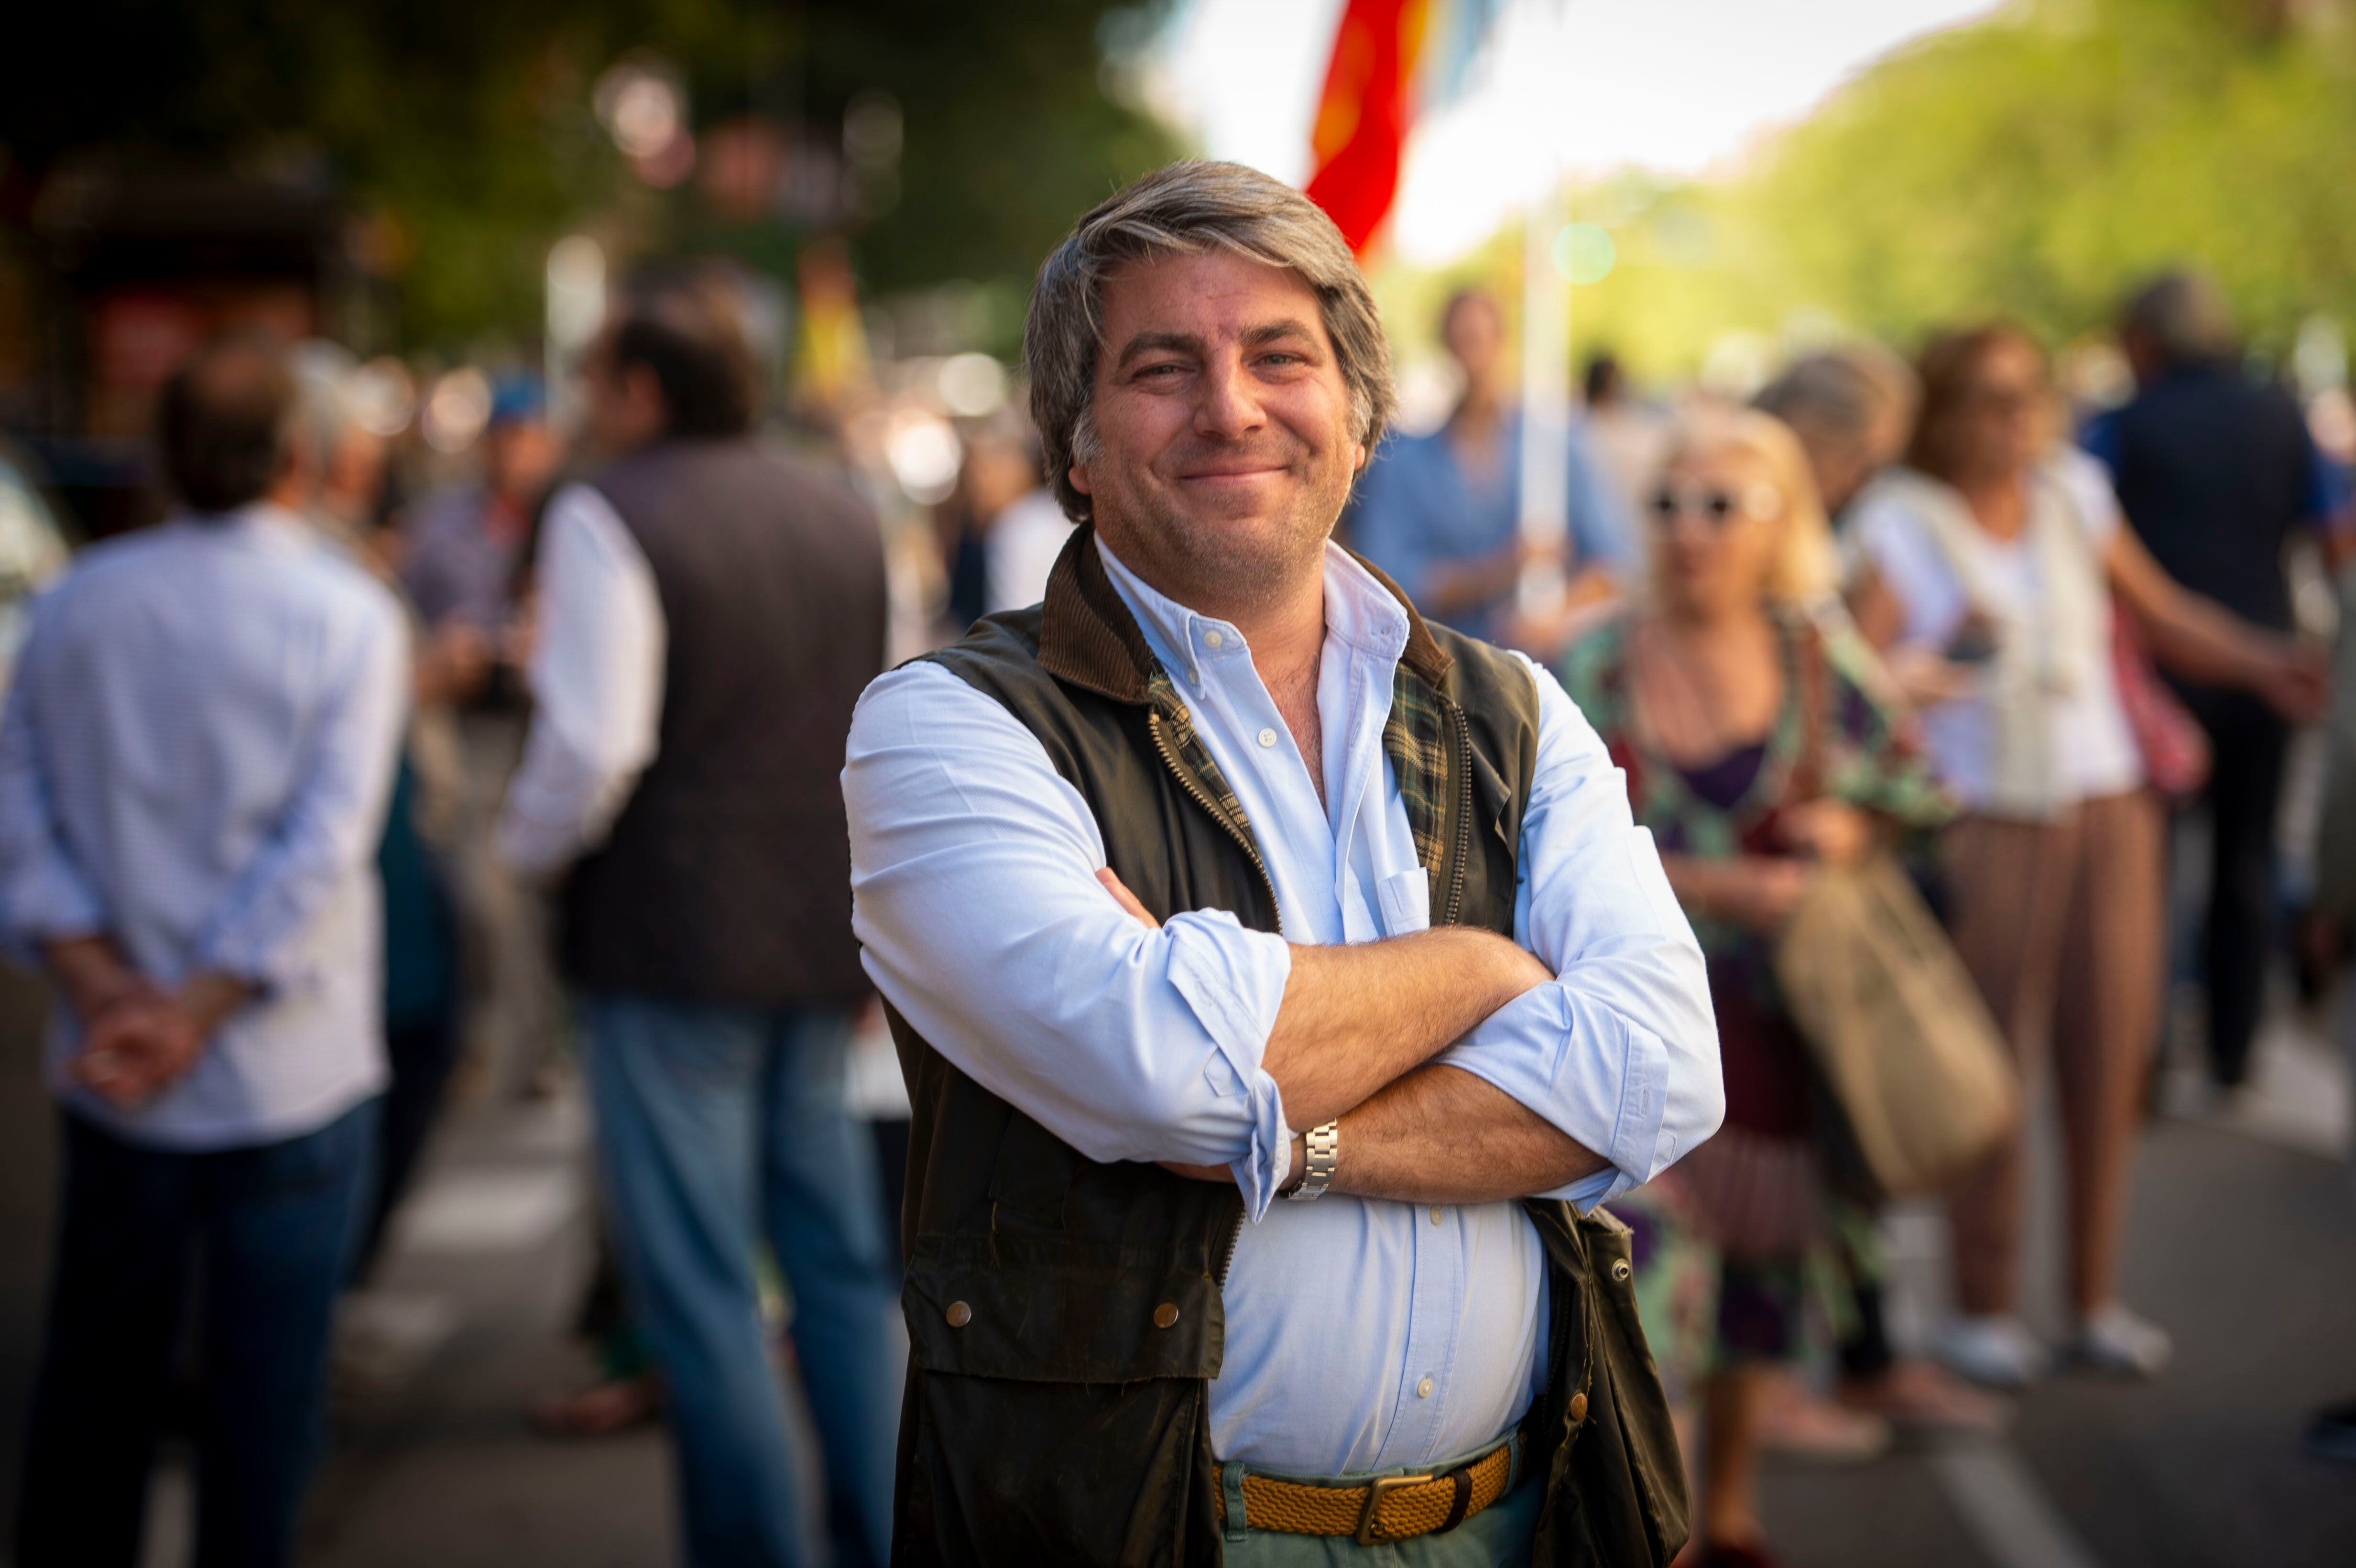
(1989,566)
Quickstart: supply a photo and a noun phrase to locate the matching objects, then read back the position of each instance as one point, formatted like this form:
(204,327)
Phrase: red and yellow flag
(1364,114)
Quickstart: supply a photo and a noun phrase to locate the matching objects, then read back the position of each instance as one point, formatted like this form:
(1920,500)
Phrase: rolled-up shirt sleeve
(975,903)
(1620,1052)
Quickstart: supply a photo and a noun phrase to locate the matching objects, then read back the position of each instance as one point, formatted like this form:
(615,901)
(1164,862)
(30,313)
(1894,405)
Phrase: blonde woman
(1757,752)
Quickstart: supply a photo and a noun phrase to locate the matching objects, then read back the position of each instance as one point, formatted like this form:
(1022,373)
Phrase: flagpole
(1545,476)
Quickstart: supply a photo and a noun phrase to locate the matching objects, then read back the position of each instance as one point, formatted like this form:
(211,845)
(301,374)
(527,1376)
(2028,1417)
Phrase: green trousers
(1498,1536)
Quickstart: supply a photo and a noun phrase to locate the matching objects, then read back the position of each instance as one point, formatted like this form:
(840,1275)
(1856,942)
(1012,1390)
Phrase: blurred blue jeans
(268,1231)
(719,1127)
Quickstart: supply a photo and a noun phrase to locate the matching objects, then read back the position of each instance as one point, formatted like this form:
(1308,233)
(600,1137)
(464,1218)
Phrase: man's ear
(1357,457)
(1079,478)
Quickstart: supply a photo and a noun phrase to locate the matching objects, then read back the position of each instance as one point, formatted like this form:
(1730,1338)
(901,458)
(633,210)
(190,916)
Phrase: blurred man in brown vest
(709,611)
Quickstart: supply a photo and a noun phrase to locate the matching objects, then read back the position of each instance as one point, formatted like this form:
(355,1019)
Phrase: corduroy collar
(1088,639)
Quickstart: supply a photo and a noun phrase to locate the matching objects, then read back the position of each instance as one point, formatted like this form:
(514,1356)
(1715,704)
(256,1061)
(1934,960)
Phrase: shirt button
(1435,1213)
(1214,639)
(1267,737)
(1423,1389)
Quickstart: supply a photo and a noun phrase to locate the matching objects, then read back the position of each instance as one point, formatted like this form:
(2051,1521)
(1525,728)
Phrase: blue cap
(515,398)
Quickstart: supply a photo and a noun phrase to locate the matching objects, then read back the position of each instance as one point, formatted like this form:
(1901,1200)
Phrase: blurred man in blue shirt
(193,774)
(1440,513)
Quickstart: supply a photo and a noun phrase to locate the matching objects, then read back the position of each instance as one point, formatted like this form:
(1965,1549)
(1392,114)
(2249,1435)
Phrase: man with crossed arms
(1219,882)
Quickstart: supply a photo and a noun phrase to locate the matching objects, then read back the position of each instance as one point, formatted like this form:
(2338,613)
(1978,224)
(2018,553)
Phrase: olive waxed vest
(1064,1316)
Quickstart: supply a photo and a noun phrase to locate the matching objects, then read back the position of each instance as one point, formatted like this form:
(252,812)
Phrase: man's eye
(1163,372)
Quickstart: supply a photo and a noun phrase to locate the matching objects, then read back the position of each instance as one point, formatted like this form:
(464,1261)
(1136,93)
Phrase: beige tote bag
(1896,1028)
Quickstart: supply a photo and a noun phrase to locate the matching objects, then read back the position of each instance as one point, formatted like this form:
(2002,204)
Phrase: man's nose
(1227,403)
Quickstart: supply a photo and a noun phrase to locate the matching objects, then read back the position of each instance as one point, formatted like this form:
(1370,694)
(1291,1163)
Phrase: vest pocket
(1044,1309)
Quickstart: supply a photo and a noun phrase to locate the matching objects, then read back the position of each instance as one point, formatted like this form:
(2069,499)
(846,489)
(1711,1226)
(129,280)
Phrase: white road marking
(2006,1512)
(171,1511)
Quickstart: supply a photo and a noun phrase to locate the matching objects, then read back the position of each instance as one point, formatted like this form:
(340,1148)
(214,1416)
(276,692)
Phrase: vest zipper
(1268,884)
(1235,1240)
(1464,813)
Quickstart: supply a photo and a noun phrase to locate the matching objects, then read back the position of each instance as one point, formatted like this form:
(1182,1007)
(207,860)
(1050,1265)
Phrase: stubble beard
(1227,568)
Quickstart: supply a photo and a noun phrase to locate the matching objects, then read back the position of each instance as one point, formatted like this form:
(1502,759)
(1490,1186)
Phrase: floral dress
(1706,1294)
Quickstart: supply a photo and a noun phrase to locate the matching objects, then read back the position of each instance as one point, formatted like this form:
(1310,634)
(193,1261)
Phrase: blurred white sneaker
(2115,1340)
(1995,1351)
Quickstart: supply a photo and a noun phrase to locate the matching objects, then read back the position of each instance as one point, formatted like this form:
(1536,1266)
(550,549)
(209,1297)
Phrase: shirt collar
(1360,613)
(265,522)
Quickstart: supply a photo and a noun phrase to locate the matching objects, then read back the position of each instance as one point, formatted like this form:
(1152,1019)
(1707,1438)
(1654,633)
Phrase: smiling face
(1225,441)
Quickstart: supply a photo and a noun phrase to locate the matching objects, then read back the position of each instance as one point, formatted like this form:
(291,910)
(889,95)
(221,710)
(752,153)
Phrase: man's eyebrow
(1156,342)
(1277,331)
(1258,336)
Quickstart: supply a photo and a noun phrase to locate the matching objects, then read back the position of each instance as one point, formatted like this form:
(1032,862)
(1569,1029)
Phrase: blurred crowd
(1943,617)
(1933,616)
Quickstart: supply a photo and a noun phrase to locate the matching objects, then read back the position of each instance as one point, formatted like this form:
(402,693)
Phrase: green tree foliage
(467,125)
(2036,164)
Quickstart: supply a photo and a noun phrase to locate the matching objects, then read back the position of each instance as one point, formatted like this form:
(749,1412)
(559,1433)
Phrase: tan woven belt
(1391,1508)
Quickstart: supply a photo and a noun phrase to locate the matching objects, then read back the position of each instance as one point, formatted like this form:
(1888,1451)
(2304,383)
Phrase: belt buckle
(1377,1490)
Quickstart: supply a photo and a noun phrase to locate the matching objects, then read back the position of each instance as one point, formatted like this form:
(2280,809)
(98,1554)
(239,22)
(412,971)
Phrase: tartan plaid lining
(1163,698)
(1417,739)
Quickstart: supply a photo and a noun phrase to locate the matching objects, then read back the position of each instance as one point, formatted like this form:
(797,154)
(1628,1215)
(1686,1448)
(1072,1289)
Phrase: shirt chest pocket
(1404,900)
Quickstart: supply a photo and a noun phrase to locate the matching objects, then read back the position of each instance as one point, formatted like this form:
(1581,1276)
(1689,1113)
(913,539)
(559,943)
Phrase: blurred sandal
(1922,1396)
(601,1410)
(1796,1422)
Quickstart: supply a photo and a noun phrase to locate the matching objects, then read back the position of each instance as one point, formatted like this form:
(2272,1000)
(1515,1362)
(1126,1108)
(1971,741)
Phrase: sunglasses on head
(1714,503)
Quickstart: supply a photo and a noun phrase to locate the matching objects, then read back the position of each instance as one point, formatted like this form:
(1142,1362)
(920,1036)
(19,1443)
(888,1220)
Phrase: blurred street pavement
(2244,1245)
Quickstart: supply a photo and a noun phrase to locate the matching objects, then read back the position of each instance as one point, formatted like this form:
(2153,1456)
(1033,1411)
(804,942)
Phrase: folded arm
(1617,1056)
(1589,1082)
(1442,1135)
(977,901)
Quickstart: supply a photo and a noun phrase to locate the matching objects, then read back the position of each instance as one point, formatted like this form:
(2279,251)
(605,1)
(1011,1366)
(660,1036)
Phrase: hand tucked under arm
(1442,1135)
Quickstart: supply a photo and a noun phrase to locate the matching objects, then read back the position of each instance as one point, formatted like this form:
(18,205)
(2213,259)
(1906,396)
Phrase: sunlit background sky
(1674,86)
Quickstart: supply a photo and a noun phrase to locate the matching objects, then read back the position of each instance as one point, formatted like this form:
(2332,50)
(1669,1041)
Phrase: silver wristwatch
(1324,1158)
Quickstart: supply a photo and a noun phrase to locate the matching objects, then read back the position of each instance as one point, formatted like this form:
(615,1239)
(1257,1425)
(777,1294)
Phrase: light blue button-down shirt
(195,757)
(1361,1333)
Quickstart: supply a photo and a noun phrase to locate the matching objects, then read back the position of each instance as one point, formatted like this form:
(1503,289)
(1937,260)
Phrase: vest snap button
(1165,1315)
(960,1315)
(1619,1271)
(1577,1408)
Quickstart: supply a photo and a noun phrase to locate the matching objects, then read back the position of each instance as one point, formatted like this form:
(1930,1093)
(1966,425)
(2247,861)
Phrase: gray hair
(1843,392)
(2185,316)
(324,411)
(1188,209)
